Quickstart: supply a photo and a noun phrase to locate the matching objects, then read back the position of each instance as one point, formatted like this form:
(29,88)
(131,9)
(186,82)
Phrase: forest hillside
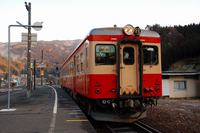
(179,43)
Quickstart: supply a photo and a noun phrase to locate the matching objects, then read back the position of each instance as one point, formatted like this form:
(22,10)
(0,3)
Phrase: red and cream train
(115,73)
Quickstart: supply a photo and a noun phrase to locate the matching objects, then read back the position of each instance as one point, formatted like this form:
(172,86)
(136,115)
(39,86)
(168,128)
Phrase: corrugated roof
(179,73)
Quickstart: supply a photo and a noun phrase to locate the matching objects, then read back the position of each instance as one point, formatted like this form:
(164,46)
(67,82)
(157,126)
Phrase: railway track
(137,127)
(146,128)
(111,127)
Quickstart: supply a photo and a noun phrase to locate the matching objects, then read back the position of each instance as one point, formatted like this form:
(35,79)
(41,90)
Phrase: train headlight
(128,29)
(137,31)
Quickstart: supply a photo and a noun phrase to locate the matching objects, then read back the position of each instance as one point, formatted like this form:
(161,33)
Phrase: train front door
(128,69)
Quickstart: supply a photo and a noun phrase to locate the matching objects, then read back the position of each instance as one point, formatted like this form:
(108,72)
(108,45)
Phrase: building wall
(192,87)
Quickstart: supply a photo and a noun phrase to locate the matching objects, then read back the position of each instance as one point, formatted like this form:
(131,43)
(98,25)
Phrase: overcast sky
(73,19)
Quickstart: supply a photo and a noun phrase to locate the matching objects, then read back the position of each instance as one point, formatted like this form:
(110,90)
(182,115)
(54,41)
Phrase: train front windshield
(105,54)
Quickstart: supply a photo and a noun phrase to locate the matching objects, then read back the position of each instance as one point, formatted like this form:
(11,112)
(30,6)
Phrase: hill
(54,53)
(16,66)
(3,65)
(178,43)
(187,65)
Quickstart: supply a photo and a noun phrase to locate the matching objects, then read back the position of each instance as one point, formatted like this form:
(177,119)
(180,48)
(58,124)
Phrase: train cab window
(105,54)
(150,55)
(128,56)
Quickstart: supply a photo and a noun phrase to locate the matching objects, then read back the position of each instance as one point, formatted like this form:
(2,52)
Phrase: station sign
(33,37)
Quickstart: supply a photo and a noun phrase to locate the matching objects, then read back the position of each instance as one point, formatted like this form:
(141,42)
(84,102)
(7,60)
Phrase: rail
(137,127)
(146,128)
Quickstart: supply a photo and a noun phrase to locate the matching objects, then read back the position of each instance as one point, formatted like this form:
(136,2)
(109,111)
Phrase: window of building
(105,54)
(180,85)
(128,55)
(150,55)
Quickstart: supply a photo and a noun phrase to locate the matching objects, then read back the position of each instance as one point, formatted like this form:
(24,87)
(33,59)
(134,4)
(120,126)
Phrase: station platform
(35,114)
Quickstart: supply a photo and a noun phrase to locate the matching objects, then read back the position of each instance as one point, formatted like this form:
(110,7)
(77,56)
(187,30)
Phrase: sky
(73,19)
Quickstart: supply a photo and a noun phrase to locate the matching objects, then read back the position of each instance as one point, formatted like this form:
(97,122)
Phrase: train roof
(112,31)
(119,31)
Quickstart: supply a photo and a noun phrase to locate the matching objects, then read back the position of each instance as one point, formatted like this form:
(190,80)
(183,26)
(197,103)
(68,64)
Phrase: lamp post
(37,26)
(8,107)
(28,8)
(9,73)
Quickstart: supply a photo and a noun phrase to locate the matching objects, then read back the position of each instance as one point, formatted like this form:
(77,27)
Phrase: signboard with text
(33,37)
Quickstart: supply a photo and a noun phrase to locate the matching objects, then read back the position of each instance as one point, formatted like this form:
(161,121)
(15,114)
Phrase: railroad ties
(137,127)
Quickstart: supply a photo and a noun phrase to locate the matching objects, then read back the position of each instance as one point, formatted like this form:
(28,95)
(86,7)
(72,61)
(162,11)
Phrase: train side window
(77,64)
(128,56)
(105,54)
(86,52)
(67,72)
(150,55)
(81,61)
(71,68)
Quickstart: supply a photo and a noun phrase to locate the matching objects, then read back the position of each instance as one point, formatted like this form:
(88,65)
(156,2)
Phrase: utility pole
(28,8)
(42,69)
(34,72)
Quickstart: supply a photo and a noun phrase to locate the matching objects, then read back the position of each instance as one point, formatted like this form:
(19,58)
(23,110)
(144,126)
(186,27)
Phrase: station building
(181,84)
